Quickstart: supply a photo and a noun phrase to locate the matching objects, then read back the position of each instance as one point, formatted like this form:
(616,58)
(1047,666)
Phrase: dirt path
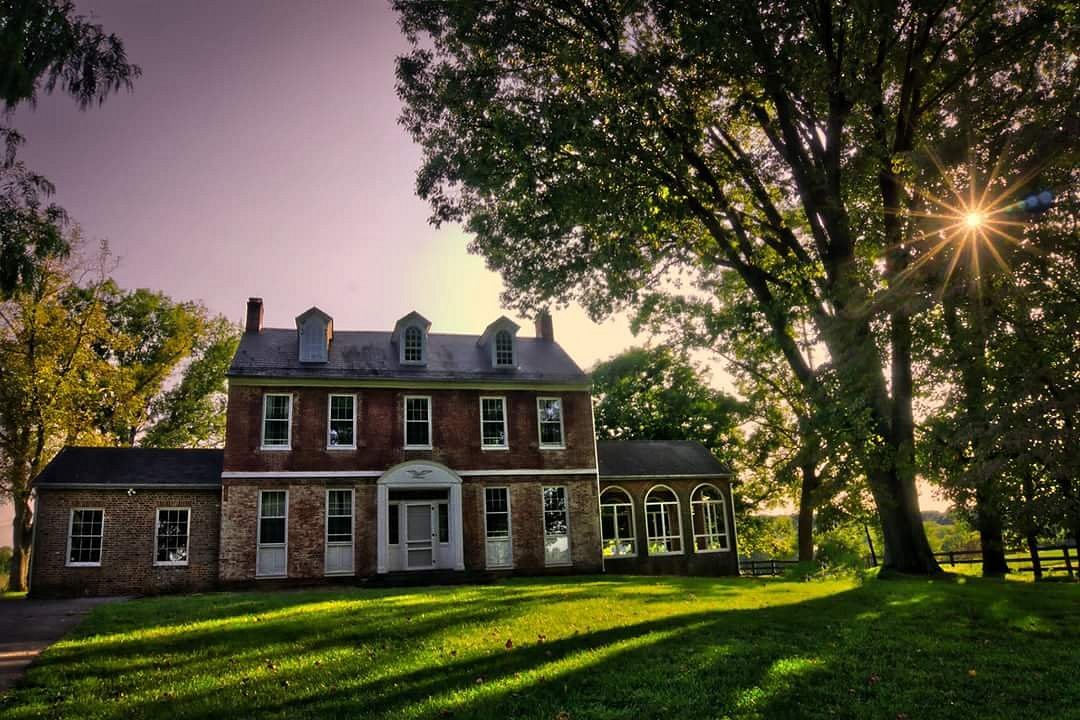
(29,626)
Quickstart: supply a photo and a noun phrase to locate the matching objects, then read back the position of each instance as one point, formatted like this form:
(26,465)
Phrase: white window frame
(423,345)
(509,528)
(540,424)
(329,418)
(262,425)
(678,514)
(187,538)
(326,528)
(543,519)
(495,349)
(71,526)
(633,522)
(505,423)
(258,535)
(725,546)
(405,426)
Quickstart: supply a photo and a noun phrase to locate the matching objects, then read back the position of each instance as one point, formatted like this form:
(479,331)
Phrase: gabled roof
(360,355)
(657,459)
(132,468)
(313,310)
(503,323)
(413,318)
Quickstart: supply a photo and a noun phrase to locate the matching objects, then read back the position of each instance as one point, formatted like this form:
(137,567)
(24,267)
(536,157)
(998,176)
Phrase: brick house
(360,455)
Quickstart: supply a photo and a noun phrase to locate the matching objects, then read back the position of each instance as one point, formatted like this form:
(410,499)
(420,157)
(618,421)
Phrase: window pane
(277,407)
(554,498)
(85,538)
(496,499)
(498,525)
(172,532)
(392,525)
(444,523)
(339,528)
(416,433)
(340,502)
(414,344)
(272,530)
(273,504)
(504,348)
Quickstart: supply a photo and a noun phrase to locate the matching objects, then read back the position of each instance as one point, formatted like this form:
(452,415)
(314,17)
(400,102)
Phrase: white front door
(420,536)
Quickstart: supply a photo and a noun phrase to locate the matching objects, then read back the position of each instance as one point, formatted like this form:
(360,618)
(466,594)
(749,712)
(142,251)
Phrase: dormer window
(504,349)
(413,350)
(315,330)
(410,337)
(500,342)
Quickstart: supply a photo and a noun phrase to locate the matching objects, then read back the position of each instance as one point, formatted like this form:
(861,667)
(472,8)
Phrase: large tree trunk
(810,483)
(907,549)
(22,538)
(991,540)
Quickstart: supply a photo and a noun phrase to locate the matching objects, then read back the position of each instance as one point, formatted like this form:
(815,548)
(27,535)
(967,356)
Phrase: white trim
(258,534)
(405,427)
(678,515)
(725,546)
(666,476)
(264,474)
(101,546)
(505,423)
(543,519)
(329,409)
(633,522)
(133,486)
(262,425)
(352,530)
(187,539)
(509,528)
(495,349)
(539,423)
(404,382)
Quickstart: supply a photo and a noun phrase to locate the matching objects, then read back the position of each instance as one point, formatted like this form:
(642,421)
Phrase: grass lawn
(577,648)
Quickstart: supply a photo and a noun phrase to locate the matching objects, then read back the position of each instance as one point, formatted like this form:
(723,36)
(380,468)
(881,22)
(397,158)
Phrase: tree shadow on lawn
(876,650)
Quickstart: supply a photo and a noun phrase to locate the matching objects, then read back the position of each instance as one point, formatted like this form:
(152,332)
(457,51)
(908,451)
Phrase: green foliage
(581,647)
(45,45)
(763,537)
(5,561)
(601,152)
(656,394)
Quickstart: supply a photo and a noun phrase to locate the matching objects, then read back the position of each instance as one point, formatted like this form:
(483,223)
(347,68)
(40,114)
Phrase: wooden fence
(1052,559)
(758,568)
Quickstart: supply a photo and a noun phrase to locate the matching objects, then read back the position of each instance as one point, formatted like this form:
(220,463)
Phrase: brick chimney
(544,328)
(254,316)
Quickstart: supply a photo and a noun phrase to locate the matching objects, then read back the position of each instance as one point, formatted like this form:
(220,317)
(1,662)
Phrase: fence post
(952,559)
(1068,563)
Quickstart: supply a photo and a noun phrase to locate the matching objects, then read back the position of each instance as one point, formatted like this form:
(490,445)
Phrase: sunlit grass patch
(598,647)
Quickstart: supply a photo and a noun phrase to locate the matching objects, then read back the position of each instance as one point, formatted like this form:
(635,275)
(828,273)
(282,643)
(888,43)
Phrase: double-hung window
(417,422)
(84,536)
(339,532)
(277,421)
(556,526)
(549,417)
(708,513)
(493,431)
(662,521)
(171,535)
(500,553)
(272,533)
(617,523)
(504,349)
(413,350)
(341,425)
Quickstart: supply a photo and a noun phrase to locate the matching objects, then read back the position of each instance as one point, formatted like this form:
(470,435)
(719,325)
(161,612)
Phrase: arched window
(662,522)
(504,348)
(708,515)
(617,523)
(413,352)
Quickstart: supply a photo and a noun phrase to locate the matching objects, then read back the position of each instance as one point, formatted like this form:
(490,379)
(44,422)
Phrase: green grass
(588,647)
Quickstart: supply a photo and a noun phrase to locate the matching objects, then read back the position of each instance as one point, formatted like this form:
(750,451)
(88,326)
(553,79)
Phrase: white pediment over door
(419,473)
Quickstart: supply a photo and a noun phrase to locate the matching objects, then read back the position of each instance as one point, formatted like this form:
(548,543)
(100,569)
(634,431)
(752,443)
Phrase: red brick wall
(380,432)
(127,546)
(690,562)
(306,525)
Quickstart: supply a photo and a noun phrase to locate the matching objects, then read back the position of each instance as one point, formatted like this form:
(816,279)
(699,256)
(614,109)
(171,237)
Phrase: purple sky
(259,154)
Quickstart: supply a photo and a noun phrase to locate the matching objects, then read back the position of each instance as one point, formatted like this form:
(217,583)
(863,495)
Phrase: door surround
(419,475)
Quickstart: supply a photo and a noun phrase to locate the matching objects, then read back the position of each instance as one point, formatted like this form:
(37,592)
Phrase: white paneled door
(420,535)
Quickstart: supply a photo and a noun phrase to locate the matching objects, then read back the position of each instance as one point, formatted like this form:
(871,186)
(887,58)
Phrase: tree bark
(22,538)
(991,539)
(810,484)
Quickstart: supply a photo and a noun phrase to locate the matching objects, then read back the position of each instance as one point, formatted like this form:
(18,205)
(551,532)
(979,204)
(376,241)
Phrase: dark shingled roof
(132,467)
(656,458)
(274,353)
